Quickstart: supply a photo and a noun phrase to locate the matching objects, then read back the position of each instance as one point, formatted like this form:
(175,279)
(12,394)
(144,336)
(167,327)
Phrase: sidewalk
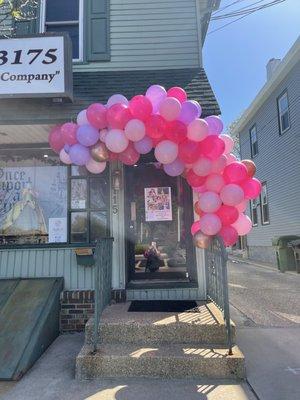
(270,266)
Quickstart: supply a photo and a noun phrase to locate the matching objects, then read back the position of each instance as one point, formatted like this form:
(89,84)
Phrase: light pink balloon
(215,183)
(170,108)
(243,224)
(95,167)
(117,99)
(241,207)
(197,130)
(195,227)
(210,202)
(103,134)
(210,224)
(202,167)
(219,164)
(156,94)
(231,158)
(64,157)
(229,143)
(200,189)
(232,194)
(82,118)
(175,168)
(116,141)
(135,130)
(166,151)
(143,146)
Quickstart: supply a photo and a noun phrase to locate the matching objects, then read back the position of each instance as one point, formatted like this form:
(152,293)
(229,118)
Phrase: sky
(235,57)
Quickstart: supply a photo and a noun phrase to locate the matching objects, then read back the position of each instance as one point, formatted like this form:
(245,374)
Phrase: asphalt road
(265,305)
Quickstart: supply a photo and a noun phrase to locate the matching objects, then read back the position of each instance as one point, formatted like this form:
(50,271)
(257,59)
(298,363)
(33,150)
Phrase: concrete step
(119,326)
(164,361)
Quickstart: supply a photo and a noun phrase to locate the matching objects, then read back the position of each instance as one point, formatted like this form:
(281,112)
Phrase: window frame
(250,138)
(251,210)
(80,27)
(279,114)
(263,222)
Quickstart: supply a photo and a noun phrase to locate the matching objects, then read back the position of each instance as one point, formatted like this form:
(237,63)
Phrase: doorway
(158,216)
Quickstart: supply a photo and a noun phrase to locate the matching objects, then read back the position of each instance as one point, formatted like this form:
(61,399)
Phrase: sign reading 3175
(39,66)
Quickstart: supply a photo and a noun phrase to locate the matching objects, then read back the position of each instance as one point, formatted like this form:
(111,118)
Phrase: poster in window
(158,204)
(57,230)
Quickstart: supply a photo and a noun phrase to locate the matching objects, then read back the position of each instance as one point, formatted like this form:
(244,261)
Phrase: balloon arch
(184,144)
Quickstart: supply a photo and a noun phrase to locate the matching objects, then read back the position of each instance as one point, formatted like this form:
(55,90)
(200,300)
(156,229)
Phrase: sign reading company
(36,66)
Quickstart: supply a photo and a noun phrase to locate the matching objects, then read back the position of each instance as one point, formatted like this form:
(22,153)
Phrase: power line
(229,5)
(234,12)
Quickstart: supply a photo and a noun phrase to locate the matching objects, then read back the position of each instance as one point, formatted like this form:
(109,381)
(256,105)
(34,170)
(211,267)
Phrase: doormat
(163,306)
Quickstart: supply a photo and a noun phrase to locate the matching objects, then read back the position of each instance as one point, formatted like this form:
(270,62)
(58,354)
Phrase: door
(158,216)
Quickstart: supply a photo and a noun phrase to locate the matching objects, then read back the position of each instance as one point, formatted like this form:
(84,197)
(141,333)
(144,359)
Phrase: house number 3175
(49,57)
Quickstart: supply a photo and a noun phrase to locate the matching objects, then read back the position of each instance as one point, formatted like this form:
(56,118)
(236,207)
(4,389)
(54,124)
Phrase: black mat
(163,306)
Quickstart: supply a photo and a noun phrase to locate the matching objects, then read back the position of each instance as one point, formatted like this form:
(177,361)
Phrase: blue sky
(235,57)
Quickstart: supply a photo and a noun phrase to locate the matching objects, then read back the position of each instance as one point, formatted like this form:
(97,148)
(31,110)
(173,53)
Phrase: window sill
(45,246)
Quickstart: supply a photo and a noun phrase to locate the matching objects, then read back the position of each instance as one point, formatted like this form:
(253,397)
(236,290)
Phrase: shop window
(64,16)
(265,217)
(254,211)
(33,198)
(253,141)
(88,206)
(283,113)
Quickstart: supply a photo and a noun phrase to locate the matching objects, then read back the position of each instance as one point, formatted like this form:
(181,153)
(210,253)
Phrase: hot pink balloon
(229,143)
(189,111)
(212,147)
(140,107)
(189,151)
(202,167)
(227,214)
(117,99)
(116,141)
(214,183)
(175,168)
(95,167)
(55,139)
(129,156)
(87,135)
(156,94)
(118,116)
(193,179)
(176,131)
(200,189)
(64,157)
(178,93)
(166,151)
(195,227)
(210,223)
(197,130)
(144,145)
(135,130)
(232,194)
(235,173)
(210,202)
(68,131)
(229,235)
(215,124)
(219,164)
(251,188)
(170,108)
(243,225)
(96,115)
(82,118)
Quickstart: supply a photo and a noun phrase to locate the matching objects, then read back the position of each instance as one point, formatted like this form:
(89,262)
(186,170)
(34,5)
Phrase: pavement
(265,305)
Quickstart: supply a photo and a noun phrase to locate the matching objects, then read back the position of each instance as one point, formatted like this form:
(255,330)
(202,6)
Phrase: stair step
(164,361)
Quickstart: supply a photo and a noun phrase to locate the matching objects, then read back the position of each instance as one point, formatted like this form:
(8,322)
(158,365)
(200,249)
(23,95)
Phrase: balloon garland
(183,143)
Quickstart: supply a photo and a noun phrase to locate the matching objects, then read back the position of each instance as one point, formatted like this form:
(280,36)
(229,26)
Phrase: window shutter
(97,30)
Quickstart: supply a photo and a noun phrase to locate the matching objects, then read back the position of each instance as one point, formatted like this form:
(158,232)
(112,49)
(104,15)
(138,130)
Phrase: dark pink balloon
(227,214)
(118,115)
(212,147)
(251,188)
(156,126)
(55,139)
(194,180)
(130,156)
(178,93)
(140,107)
(68,131)
(229,235)
(189,151)
(235,173)
(96,115)
(176,131)
(195,227)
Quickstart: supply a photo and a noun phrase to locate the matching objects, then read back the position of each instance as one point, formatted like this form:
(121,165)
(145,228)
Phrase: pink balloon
(194,180)
(118,116)
(129,156)
(210,223)
(166,151)
(144,145)
(95,167)
(68,131)
(140,107)
(117,99)
(200,189)
(156,94)
(241,207)
(135,130)
(82,118)
(229,143)
(55,139)
(195,227)
(189,151)
(210,202)
(64,157)
(229,235)
(156,126)
(170,108)
(235,173)
(214,183)
(202,167)
(197,130)
(175,168)
(219,164)
(176,131)
(243,225)
(231,158)
(227,214)
(212,147)
(178,93)
(96,115)
(251,188)
(103,134)
(232,194)
(116,141)
(215,124)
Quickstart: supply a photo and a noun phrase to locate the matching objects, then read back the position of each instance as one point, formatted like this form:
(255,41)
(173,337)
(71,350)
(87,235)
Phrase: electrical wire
(229,5)
(234,12)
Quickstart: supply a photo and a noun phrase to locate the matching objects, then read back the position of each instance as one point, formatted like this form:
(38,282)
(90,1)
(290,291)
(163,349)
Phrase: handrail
(102,280)
(217,282)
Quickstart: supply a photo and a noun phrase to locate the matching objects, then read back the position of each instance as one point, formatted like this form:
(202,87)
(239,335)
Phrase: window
(254,212)
(88,205)
(265,218)
(64,16)
(283,113)
(253,141)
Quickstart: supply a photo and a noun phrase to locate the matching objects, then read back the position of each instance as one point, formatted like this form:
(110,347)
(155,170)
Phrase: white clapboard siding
(151,35)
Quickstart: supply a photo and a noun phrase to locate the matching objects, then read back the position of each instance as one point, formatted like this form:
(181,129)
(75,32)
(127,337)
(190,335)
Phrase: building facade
(269,133)
(118,46)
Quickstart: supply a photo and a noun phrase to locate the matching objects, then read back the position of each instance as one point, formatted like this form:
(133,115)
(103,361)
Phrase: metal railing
(217,282)
(102,277)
